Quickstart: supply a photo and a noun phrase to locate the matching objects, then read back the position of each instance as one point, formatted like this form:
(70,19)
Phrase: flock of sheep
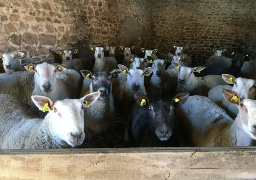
(161,100)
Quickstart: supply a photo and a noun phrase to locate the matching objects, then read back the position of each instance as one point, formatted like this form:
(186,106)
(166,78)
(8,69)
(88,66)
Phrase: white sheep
(244,87)
(176,59)
(248,69)
(19,84)
(11,61)
(218,52)
(150,53)
(160,82)
(54,82)
(101,116)
(62,127)
(188,82)
(125,90)
(218,58)
(138,63)
(102,63)
(77,64)
(127,55)
(205,124)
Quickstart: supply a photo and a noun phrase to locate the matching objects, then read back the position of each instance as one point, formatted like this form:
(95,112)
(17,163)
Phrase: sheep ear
(75,51)
(177,66)
(179,99)
(92,47)
(148,71)
(155,51)
(198,69)
(141,100)
(231,96)
(86,74)
(20,54)
(223,50)
(132,58)
(60,68)
(30,67)
(60,52)
(42,102)
(121,47)
(89,99)
(132,48)
(115,73)
(174,47)
(106,48)
(123,68)
(228,78)
(143,50)
(150,59)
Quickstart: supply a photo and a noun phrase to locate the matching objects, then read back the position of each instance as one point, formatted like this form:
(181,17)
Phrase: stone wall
(202,24)
(36,26)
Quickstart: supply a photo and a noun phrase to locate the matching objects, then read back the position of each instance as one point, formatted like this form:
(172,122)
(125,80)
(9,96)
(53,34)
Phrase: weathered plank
(141,163)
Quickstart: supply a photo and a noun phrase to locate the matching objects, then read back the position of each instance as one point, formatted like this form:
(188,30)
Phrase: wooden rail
(129,163)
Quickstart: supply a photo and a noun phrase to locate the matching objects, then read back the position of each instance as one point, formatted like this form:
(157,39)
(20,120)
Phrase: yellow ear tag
(59,68)
(124,71)
(60,53)
(177,67)
(88,76)
(176,100)
(92,48)
(247,55)
(113,75)
(45,108)
(234,99)
(85,103)
(18,55)
(147,74)
(131,59)
(170,55)
(233,53)
(143,102)
(30,68)
(230,79)
(197,71)
(150,61)
(143,51)
(174,46)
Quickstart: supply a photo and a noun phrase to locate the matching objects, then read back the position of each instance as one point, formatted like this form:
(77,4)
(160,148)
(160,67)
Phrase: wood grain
(141,163)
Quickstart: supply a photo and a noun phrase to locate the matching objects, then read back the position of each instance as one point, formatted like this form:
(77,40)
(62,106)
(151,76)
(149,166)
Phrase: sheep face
(99,52)
(101,82)
(148,53)
(178,50)
(66,117)
(159,67)
(137,63)
(186,73)
(112,51)
(247,110)
(127,51)
(238,60)
(11,61)
(218,52)
(45,75)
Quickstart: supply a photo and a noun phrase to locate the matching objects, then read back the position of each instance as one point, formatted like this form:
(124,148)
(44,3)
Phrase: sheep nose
(99,56)
(127,54)
(158,72)
(163,131)
(137,67)
(8,66)
(103,91)
(76,136)
(136,87)
(178,54)
(46,87)
(181,81)
(67,58)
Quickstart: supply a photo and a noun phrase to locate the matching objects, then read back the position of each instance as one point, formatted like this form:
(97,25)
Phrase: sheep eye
(54,109)
(241,104)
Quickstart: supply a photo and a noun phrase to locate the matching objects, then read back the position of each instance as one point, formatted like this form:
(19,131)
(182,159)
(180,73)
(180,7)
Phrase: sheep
(62,127)
(128,55)
(176,59)
(188,82)
(124,91)
(244,87)
(218,52)
(102,63)
(234,69)
(206,124)
(160,83)
(101,116)
(138,63)
(154,123)
(54,82)
(187,60)
(218,58)
(248,69)
(76,63)
(19,84)
(11,61)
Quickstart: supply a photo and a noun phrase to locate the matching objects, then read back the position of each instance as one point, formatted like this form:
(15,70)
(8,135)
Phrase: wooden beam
(132,163)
